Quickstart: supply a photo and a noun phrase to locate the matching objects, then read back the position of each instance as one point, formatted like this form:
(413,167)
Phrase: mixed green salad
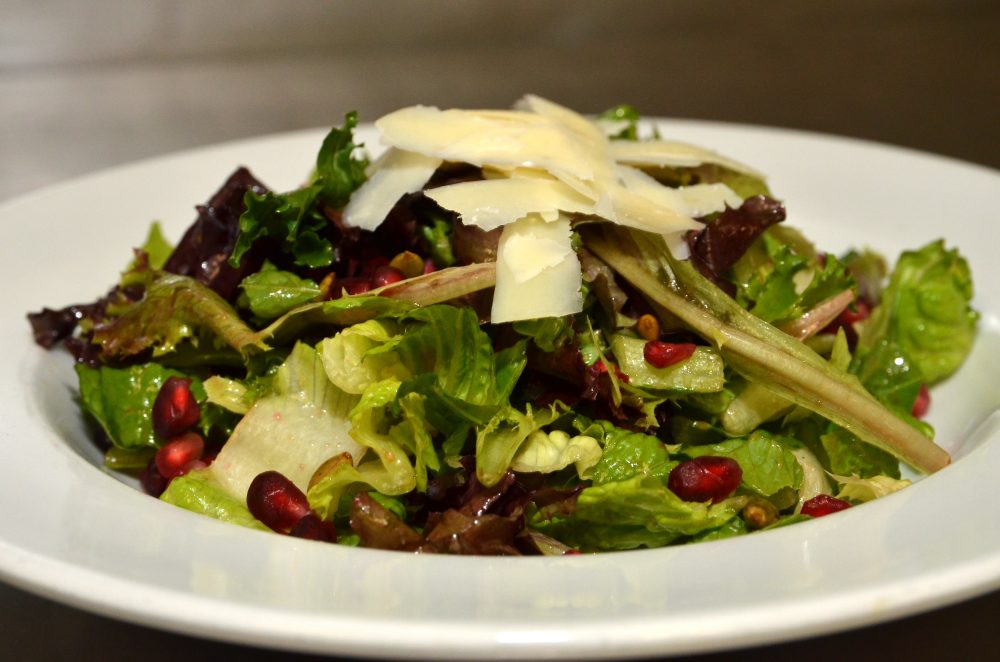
(514,332)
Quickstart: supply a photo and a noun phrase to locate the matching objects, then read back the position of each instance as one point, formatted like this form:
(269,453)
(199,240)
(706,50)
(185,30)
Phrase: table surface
(908,72)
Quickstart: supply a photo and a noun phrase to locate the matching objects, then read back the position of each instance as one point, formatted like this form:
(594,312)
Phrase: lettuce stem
(757,350)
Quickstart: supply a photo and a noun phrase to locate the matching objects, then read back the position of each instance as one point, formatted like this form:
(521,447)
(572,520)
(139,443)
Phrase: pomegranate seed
(175,409)
(177,455)
(861,311)
(846,319)
(429,266)
(311,527)
(823,504)
(275,501)
(705,478)
(386,275)
(661,354)
(152,481)
(355,285)
(373,264)
(922,403)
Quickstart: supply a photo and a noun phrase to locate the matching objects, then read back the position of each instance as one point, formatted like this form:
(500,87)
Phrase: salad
(514,332)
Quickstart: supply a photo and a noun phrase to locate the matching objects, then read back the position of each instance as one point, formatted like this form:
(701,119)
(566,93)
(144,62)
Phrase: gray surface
(89,85)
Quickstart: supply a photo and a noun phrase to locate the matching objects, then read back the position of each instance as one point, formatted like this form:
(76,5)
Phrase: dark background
(88,85)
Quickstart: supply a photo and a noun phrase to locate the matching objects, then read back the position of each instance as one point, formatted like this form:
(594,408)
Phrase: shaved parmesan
(392,176)
(541,164)
(538,272)
(504,138)
(570,119)
(665,153)
(527,255)
(491,203)
(588,132)
(694,201)
(635,211)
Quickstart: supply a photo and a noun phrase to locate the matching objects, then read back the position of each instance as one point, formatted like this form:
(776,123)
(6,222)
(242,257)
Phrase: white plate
(70,531)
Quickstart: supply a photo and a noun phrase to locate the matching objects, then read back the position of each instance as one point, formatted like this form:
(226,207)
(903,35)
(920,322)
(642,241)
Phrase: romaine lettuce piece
(548,452)
(198,492)
(768,464)
(499,441)
(121,400)
(293,431)
(702,372)
(925,320)
(846,454)
(456,370)
(627,454)
(363,354)
(867,489)
(390,471)
(637,512)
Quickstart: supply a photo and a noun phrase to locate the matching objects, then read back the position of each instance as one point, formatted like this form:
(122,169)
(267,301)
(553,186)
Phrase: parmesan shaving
(541,163)
(664,153)
(392,176)
(538,272)
(508,138)
(693,201)
(490,203)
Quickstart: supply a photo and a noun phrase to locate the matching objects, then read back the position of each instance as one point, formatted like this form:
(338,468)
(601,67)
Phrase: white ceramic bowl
(70,531)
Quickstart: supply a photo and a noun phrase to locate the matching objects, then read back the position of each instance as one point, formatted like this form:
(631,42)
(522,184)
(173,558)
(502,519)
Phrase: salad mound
(514,332)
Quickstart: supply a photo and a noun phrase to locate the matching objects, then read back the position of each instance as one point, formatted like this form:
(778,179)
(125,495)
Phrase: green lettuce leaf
(340,170)
(734,527)
(295,219)
(547,333)
(198,492)
(293,430)
(455,368)
(783,285)
(174,309)
(848,455)
(363,354)
(702,372)
(767,461)
(625,115)
(121,400)
(867,489)
(375,428)
(292,219)
(270,293)
(230,394)
(437,235)
(548,452)
(925,318)
(498,442)
(627,454)
(156,247)
(637,512)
